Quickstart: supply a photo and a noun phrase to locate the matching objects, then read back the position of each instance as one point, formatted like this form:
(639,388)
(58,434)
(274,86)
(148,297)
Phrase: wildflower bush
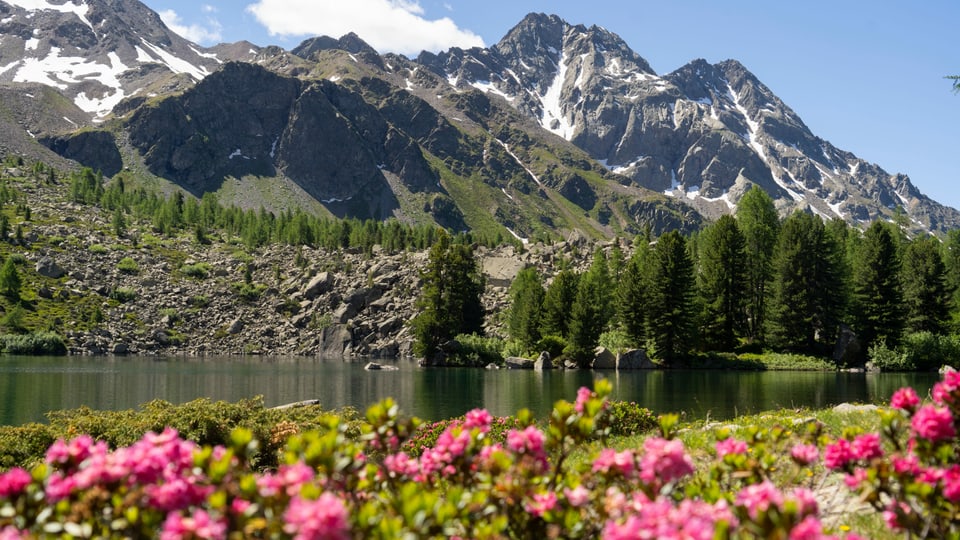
(331,483)
(910,470)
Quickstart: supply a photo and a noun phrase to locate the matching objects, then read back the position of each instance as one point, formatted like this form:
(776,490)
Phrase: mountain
(556,128)
(703,134)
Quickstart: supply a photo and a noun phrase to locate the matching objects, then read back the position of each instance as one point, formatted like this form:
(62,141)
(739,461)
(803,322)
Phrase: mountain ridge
(668,146)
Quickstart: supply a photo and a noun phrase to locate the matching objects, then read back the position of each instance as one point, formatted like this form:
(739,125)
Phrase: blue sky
(868,76)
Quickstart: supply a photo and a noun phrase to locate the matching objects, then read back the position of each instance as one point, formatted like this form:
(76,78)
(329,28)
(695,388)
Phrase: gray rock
(120,348)
(235,327)
(847,350)
(847,408)
(321,283)
(604,359)
(634,359)
(47,267)
(515,362)
(543,362)
(335,340)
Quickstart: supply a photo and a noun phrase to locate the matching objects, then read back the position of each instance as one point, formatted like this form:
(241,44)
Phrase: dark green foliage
(555,319)
(128,266)
(925,294)
(449,303)
(591,310)
(553,345)
(757,219)
(474,350)
(119,223)
(526,305)
(199,270)
(922,351)
(722,283)
(877,297)
(37,343)
(807,290)
(86,187)
(10,281)
(632,295)
(627,418)
(123,294)
(13,319)
(671,298)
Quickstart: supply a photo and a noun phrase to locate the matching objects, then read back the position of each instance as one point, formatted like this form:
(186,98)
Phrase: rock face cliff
(702,134)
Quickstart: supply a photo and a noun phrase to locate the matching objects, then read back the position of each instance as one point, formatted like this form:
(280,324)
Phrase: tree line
(205,216)
(749,281)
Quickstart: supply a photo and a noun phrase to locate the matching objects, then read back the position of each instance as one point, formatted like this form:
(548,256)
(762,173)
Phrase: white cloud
(397,26)
(196,33)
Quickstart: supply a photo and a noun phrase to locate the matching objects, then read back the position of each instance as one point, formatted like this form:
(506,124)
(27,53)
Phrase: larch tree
(526,306)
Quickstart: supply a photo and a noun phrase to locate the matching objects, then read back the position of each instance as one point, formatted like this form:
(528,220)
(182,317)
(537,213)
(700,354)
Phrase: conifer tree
(877,297)
(632,295)
(591,310)
(449,303)
(671,306)
(721,282)
(757,218)
(10,281)
(557,302)
(925,294)
(526,305)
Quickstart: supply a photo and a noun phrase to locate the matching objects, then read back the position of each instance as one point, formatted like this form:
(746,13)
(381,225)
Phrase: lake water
(32,386)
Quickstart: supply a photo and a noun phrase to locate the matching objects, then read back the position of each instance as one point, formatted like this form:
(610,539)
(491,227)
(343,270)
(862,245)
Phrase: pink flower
(401,464)
(197,525)
(478,418)
(909,465)
(11,533)
(806,501)
(804,454)
(13,482)
(808,529)
(322,519)
(944,391)
(855,480)
(758,498)
(905,399)
(893,512)
(730,446)
(542,503)
(866,447)
(583,395)
(577,496)
(838,454)
(664,461)
(529,441)
(933,423)
(611,460)
(951,484)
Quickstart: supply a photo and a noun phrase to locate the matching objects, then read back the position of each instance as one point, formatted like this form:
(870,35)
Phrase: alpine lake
(32,386)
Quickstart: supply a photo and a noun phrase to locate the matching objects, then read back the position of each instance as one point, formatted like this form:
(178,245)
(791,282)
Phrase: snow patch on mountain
(553,119)
(80,10)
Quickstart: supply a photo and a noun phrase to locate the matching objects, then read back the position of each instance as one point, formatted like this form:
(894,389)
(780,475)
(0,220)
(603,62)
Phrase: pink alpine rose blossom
(933,423)
(905,399)
(322,519)
(14,481)
(805,454)
(730,446)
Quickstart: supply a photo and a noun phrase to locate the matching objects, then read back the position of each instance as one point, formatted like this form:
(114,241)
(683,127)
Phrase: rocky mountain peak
(350,43)
(96,52)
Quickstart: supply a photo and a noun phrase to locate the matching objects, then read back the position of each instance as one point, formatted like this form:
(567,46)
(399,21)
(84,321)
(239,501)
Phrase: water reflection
(30,387)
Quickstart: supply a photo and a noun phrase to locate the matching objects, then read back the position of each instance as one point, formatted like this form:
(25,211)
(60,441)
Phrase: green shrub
(198,301)
(553,345)
(37,343)
(887,359)
(24,446)
(927,351)
(128,266)
(123,294)
(97,249)
(427,434)
(249,291)
(18,258)
(615,340)
(199,270)
(628,418)
(474,350)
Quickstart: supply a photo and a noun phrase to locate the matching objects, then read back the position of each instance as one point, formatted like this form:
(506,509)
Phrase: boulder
(515,362)
(47,267)
(543,362)
(320,284)
(847,351)
(604,359)
(334,340)
(634,359)
(235,327)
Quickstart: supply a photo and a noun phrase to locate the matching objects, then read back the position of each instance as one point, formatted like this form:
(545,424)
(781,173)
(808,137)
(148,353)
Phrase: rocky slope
(178,297)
